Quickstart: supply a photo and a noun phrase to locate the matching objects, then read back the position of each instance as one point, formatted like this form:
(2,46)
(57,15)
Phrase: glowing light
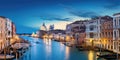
(50,36)
(90,55)
(67,38)
(57,36)
(17,37)
(67,52)
(45,36)
(34,35)
(104,41)
(0,40)
(91,40)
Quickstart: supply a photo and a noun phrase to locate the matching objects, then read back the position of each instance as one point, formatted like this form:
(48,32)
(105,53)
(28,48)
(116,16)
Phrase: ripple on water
(52,50)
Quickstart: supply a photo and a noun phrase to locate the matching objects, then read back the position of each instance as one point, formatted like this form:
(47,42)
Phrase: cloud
(112,4)
(56,19)
(62,19)
(84,14)
(52,17)
(79,12)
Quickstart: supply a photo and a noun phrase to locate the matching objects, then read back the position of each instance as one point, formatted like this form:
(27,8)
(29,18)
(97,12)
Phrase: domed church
(43,27)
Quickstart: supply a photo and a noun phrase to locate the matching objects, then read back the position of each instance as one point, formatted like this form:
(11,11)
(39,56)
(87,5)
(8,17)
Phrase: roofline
(2,17)
(116,14)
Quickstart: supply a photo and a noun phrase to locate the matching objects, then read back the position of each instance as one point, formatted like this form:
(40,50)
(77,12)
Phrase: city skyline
(59,29)
(29,15)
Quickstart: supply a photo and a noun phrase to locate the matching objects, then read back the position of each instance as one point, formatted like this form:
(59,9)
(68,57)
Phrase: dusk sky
(29,15)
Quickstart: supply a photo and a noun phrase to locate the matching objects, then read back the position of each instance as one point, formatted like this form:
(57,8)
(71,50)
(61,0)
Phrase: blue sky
(28,15)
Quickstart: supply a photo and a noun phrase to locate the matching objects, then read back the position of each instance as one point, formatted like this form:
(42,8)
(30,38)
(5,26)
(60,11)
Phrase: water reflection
(52,50)
(47,41)
(61,47)
(47,47)
(91,55)
(67,52)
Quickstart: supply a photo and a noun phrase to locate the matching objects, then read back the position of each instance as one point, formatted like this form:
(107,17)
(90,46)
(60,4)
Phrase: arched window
(91,27)
(119,33)
(119,21)
(115,34)
(115,22)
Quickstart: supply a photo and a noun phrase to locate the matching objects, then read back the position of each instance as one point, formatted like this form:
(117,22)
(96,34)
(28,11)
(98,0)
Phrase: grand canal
(52,50)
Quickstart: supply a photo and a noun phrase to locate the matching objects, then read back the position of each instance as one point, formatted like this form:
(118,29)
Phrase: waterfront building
(13,30)
(93,31)
(82,37)
(14,36)
(106,34)
(9,31)
(41,33)
(116,32)
(58,34)
(51,27)
(43,27)
(75,29)
(34,35)
(3,32)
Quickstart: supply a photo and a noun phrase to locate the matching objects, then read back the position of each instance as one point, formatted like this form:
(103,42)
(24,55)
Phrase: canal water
(52,50)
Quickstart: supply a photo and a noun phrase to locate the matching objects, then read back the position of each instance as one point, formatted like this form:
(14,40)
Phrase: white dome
(43,27)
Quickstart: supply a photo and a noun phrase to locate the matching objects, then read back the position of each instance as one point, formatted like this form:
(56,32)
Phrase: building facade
(43,27)
(2,32)
(13,30)
(51,27)
(7,30)
(91,32)
(116,32)
(107,34)
(75,30)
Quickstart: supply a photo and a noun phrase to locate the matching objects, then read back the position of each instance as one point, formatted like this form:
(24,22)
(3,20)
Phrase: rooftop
(116,14)
(2,17)
(106,18)
(78,22)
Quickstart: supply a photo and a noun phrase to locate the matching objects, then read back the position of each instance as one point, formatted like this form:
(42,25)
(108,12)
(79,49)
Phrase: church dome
(43,27)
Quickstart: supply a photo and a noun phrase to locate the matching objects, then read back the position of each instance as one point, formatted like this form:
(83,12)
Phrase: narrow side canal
(52,50)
